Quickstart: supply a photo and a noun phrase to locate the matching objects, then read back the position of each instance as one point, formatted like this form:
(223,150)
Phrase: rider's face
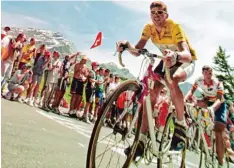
(158,16)
(208,74)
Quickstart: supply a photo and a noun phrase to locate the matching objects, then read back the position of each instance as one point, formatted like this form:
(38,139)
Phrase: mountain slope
(53,40)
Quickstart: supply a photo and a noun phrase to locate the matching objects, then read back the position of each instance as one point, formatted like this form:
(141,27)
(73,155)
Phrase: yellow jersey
(169,37)
(28,54)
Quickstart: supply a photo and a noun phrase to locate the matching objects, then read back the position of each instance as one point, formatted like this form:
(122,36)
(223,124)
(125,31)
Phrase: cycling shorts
(220,113)
(187,67)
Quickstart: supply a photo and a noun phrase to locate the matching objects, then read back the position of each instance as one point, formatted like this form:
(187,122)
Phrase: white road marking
(8,123)
(44,129)
(80,144)
(87,133)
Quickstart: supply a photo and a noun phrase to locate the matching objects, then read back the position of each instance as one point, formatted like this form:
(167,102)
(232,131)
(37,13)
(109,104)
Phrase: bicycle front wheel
(107,145)
(165,157)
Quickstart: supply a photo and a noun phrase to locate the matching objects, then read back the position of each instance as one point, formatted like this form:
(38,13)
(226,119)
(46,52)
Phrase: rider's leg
(220,150)
(179,137)
(220,125)
(176,93)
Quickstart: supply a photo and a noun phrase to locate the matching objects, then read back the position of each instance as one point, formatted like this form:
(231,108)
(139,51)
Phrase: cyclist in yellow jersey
(169,37)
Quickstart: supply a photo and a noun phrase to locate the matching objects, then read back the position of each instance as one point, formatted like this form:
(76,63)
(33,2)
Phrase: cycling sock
(182,122)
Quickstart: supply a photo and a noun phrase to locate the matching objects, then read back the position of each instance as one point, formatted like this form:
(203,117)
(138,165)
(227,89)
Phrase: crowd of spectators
(23,67)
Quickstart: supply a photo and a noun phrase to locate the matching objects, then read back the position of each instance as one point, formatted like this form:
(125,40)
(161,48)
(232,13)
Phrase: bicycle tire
(132,85)
(170,118)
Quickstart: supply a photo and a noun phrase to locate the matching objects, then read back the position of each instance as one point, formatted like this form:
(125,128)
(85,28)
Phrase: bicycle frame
(148,83)
(201,136)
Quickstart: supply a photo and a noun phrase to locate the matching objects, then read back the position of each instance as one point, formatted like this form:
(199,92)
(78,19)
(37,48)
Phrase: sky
(207,24)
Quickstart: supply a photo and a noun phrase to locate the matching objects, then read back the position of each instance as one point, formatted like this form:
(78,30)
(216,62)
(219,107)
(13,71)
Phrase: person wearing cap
(42,63)
(216,106)
(38,53)
(28,53)
(90,92)
(4,32)
(77,86)
(180,58)
(52,80)
(63,80)
(19,82)
(10,51)
(99,90)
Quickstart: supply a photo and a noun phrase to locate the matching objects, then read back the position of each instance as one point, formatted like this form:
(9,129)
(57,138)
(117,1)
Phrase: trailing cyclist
(214,101)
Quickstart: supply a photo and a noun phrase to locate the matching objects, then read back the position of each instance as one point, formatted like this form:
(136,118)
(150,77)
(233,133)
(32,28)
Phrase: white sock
(182,122)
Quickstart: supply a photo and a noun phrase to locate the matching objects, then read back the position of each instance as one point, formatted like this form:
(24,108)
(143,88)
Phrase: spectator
(28,53)
(52,80)
(5,32)
(11,49)
(38,71)
(63,80)
(19,82)
(117,80)
(90,92)
(99,90)
(39,52)
(77,87)
(112,85)
(161,109)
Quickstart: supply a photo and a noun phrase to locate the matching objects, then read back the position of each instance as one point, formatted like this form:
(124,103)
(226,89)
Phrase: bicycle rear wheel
(102,136)
(165,145)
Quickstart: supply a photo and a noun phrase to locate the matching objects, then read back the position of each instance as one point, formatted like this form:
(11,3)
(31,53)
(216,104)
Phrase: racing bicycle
(106,143)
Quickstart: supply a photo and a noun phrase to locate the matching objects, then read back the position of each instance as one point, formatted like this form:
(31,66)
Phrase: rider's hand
(170,57)
(119,45)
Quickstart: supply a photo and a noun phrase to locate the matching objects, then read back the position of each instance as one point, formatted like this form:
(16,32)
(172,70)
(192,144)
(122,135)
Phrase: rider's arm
(145,35)
(184,53)
(191,91)
(140,45)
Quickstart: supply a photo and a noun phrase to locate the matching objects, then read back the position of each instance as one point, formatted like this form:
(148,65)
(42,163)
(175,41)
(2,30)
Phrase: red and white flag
(98,41)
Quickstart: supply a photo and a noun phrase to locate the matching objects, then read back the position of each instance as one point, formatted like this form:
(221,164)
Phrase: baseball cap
(94,64)
(84,58)
(56,52)
(47,53)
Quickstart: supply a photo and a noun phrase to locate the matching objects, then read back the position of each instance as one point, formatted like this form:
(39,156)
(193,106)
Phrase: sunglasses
(158,12)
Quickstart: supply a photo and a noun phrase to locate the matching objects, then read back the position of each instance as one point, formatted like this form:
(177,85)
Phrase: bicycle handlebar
(146,53)
(202,109)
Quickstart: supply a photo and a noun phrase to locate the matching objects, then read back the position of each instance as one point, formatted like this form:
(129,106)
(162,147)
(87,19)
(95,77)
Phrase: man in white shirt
(52,80)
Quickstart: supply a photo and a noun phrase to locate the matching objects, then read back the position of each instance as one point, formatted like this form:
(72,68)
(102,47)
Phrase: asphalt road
(32,138)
